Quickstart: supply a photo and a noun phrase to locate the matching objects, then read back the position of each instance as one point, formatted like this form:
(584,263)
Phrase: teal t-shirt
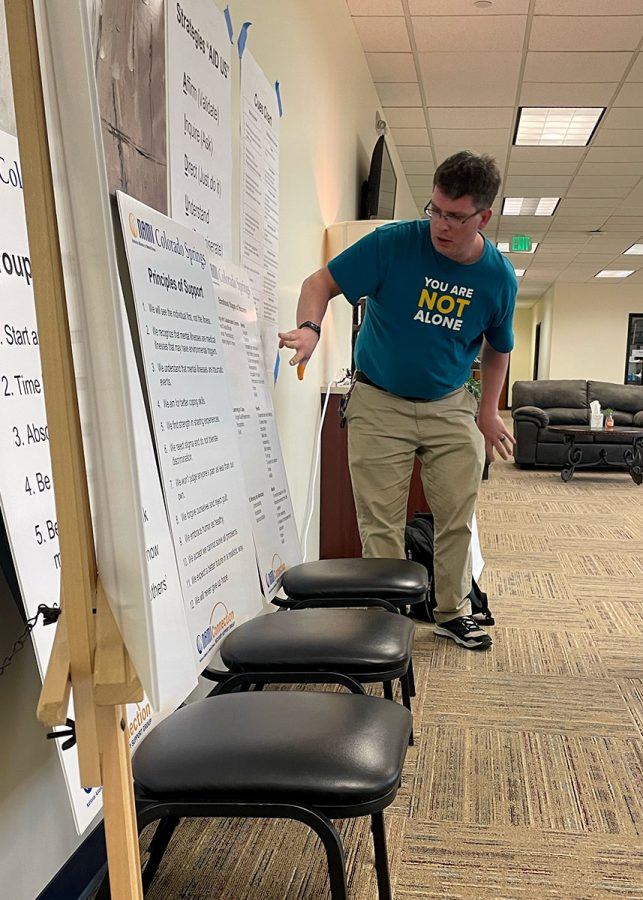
(426,315)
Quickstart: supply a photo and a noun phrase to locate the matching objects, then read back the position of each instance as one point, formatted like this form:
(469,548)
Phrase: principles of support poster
(192,416)
(273,522)
(27,491)
(260,187)
(198,121)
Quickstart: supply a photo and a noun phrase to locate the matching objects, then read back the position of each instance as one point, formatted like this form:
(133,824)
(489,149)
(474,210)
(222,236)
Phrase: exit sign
(520,243)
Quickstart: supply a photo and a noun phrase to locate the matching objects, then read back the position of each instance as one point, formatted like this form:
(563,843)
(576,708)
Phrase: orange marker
(301,368)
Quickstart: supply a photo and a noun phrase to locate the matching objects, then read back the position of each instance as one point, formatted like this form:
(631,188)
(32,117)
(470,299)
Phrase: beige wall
(521,364)
(589,330)
(542,313)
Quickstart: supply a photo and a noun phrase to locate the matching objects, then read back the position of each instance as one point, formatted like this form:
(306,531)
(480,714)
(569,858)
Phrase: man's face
(456,240)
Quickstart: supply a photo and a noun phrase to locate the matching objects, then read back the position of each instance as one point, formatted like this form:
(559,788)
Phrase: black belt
(364,379)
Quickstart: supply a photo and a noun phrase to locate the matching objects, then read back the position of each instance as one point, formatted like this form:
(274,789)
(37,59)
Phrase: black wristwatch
(313,327)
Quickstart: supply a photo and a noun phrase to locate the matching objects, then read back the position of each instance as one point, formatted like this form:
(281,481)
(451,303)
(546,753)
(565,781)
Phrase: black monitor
(378,192)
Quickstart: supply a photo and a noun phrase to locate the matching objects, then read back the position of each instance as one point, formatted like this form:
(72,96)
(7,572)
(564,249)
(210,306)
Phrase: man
(438,294)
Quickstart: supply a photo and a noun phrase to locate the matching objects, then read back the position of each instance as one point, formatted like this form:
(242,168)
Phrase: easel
(88,653)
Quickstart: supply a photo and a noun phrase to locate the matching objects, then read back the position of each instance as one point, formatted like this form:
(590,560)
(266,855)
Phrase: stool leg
(411,679)
(388,690)
(157,848)
(406,700)
(334,850)
(381,857)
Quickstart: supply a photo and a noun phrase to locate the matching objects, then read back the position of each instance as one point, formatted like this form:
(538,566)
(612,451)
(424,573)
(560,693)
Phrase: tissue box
(596,420)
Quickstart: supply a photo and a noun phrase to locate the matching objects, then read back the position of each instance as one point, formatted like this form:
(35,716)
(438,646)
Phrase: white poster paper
(260,188)
(192,415)
(271,514)
(198,121)
(27,495)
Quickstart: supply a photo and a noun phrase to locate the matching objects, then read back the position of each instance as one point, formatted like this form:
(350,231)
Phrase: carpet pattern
(526,778)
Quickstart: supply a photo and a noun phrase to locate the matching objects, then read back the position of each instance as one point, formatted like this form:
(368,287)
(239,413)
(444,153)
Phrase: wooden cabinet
(338,533)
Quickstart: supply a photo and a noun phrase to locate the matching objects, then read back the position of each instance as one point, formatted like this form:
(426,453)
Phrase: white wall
(589,330)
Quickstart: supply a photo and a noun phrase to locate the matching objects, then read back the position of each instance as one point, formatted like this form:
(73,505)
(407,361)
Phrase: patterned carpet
(526,779)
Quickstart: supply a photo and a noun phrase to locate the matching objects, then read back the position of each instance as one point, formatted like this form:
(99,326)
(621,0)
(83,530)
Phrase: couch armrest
(637,421)
(531,414)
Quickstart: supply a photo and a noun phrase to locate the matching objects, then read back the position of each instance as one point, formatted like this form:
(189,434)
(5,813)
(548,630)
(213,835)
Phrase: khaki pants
(385,434)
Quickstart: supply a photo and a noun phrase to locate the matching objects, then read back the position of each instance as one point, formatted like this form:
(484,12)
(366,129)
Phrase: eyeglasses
(452,220)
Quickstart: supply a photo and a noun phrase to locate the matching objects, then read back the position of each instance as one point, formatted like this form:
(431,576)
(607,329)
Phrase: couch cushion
(624,397)
(566,416)
(552,394)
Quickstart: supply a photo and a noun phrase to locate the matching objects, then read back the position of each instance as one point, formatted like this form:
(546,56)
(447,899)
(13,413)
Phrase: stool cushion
(396,580)
(323,750)
(344,640)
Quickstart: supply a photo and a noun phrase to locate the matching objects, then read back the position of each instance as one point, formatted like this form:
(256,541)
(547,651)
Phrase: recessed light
(556,126)
(519,272)
(529,206)
(614,273)
(635,249)
(505,247)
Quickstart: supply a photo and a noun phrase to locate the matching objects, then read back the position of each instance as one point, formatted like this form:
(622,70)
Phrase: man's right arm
(316,293)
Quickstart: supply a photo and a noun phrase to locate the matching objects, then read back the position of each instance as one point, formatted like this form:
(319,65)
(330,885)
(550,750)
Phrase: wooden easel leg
(121,833)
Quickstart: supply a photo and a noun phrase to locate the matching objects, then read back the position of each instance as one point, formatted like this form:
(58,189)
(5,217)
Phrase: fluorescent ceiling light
(556,126)
(614,273)
(529,206)
(505,247)
(635,249)
(519,272)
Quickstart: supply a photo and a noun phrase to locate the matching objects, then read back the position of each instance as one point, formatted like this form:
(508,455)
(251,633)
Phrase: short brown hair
(464,173)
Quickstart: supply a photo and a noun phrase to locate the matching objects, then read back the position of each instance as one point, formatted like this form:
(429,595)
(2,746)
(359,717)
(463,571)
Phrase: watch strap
(312,325)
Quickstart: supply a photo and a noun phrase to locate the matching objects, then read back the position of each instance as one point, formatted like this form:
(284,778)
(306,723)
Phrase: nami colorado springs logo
(144,234)
(277,570)
(221,622)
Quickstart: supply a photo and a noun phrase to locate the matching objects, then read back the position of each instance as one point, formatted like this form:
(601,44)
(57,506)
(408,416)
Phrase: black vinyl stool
(333,583)
(369,645)
(306,756)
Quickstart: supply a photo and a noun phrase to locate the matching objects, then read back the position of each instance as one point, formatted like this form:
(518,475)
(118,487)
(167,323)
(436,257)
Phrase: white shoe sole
(481,645)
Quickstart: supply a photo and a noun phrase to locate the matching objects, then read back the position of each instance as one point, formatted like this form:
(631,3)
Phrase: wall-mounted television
(378,192)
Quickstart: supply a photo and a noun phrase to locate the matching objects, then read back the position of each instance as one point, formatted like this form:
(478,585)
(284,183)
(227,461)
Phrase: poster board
(106,383)
(199,127)
(273,522)
(194,429)
(27,492)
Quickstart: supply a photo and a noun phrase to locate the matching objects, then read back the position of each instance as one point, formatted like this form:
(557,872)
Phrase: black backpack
(418,544)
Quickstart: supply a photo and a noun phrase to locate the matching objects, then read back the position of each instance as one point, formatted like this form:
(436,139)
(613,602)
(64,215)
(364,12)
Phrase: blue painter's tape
(276,370)
(278,93)
(243,37)
(228,21)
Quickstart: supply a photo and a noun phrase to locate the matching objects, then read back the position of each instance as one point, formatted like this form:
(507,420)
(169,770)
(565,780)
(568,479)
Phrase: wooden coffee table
(632,455)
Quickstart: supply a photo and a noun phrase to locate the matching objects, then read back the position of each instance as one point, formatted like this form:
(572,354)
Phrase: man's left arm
(493,370)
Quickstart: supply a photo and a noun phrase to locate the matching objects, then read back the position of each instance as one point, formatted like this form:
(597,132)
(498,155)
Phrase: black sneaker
(466,631)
